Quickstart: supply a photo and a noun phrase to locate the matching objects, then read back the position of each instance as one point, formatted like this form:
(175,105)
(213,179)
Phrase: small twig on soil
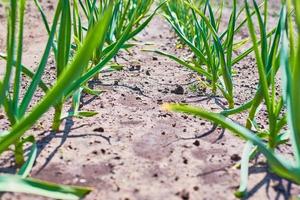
(134,88)
(215,170)
(173,84)
(200,136)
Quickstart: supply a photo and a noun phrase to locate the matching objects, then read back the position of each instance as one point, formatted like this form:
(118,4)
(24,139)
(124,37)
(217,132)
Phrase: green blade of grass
(10,44)
(230,35)
(297,11)
(18,66)
(242,191)
(27,166)
(15,183)
(291,93)
(64,38)
(260,65)
(263,34)
(37,77)
(184,63)
(186,40)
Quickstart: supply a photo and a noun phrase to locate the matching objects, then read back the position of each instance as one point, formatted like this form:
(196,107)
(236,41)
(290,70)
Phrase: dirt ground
(132,150)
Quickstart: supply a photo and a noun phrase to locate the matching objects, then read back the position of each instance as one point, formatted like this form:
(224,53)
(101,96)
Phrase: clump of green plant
(128,16)
(81,51)
(16,106)
(128,19)
(198,26)
(61,47)
(281,54)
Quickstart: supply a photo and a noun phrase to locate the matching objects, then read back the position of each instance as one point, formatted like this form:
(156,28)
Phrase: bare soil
(133,150)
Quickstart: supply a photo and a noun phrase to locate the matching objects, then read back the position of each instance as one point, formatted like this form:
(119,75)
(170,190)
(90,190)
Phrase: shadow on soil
(270,181)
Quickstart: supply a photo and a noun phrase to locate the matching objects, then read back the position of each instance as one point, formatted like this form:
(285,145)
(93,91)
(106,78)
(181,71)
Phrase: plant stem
(214,89)
(231,103)
(19,153)
(57,115)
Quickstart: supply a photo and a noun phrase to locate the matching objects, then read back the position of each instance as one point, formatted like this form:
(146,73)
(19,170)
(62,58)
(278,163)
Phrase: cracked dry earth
(132,150)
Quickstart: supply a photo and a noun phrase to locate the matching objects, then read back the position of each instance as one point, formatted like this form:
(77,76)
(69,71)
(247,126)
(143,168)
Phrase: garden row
(85,36)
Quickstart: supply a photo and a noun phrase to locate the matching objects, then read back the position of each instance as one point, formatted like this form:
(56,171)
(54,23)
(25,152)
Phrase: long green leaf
(38,75)
(15,183)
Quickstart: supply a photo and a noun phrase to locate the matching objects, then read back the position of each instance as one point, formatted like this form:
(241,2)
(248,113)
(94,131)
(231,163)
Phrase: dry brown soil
(132,150)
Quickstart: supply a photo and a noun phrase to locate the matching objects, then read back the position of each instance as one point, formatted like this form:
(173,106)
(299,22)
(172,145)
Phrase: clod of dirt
(185,161)
(196,188)
(178,90)
(159,102)
(235,157)
(103,151)
(165,91)
(135,68)
(184,116)
(100,130)
(196,143)
(50,7)
(184,195)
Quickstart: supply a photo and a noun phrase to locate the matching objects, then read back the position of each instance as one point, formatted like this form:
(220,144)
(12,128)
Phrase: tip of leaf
(240,194)
(148,50)
(166,107)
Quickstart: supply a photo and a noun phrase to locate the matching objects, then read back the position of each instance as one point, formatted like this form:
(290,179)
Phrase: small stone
(185,161)
(197,143)
(103,151)
(50,7)
(196,188)
(185,195)
(235,157)
(95,152)
(135,68)
(178,90)
(100,129)
(82,181)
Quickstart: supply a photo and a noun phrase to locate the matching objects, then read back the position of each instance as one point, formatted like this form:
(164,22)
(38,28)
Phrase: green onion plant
(198,26)
(128,19)
(281,109)
(16,105)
